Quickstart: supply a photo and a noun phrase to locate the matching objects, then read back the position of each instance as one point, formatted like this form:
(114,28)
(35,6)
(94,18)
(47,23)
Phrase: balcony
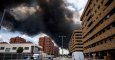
(102,26)
(109,8)
(106,46)
(101,37)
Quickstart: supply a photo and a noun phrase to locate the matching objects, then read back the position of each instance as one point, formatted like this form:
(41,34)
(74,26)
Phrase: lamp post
(62,38)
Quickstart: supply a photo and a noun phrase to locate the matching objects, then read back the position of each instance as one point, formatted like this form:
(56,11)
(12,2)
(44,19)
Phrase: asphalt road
(62,58)
(59,58)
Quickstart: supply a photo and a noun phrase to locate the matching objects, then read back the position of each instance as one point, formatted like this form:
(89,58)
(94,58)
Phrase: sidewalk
(62,58)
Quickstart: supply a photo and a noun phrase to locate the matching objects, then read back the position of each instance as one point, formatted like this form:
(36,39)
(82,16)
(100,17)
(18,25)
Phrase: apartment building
(98,28)
(47,44)
(17,40)
(75,43)
(56,51)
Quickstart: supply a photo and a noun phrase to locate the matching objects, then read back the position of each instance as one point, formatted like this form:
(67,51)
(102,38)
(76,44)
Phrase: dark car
(50,58)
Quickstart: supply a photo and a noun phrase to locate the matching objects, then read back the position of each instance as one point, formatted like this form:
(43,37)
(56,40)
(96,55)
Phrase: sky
(22,13)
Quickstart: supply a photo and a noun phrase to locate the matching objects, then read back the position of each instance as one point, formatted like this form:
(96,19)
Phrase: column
(89,56)
(94,56)
(99,55)
(108,57)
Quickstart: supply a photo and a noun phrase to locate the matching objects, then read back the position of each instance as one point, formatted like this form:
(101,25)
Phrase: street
(59,58)
(62,58)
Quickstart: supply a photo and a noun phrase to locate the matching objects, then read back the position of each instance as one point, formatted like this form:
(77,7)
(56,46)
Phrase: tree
(20,50)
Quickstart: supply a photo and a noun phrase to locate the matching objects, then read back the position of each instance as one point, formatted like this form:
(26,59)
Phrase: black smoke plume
(52,18)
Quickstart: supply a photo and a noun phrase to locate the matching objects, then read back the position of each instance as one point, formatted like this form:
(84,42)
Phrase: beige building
(98,28)
(75,43)
(12,48)
(9,51)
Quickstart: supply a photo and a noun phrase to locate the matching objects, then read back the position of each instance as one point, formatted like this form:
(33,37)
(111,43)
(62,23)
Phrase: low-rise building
(9,51)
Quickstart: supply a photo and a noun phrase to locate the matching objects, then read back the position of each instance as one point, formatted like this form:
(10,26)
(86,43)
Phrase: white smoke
(77,6)
(23,11)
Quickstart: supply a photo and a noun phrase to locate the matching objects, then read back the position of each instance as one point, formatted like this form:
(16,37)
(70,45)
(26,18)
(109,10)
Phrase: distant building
(56,51)
(3,43)
(17,40)
(75,43)
(42,42)
(98,24)
(29,42)
(47,45)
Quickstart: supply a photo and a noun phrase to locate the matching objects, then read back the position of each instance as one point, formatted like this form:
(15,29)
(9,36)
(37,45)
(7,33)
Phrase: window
(26,48)
(14,48)
(109,2)
(113,24)
(7,50)
(1,48)
(101,42)
(111,39)
(102,1)
(105,41)
(79,40)
(90,24)
(96,0)
(89,18)
(78,35)
(108,27)
(98,6)
(103,31)
(101,22)
(88,12)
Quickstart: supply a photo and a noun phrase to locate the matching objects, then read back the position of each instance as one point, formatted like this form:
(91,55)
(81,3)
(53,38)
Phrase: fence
(12,56)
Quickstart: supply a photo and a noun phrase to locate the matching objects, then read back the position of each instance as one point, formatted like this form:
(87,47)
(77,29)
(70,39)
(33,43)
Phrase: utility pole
(2,18)
(62,38)
(1,26)
(5,10)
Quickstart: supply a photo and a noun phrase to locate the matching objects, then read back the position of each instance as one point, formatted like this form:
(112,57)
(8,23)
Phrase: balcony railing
(109,8)
(106,23)
(101,37)
(102,47)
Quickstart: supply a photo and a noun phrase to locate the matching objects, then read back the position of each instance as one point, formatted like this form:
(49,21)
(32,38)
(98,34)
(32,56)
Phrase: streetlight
(62,37)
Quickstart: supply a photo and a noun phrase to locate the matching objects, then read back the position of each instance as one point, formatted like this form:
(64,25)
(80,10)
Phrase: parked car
(27,58)
(77,56)
(50,58)
(37,56)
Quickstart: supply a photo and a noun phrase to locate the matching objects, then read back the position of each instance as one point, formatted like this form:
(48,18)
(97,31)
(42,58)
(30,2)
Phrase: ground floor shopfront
(103,55)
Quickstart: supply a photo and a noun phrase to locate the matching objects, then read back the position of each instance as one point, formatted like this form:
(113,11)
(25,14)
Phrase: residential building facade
(75,43)
(56,51)
(47,44)
(98,28)
(9,51)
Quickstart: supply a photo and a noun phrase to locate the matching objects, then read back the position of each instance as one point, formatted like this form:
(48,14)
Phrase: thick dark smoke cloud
(52,18)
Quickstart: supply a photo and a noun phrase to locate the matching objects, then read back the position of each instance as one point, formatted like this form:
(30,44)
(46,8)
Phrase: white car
(37,56)
(77,56)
